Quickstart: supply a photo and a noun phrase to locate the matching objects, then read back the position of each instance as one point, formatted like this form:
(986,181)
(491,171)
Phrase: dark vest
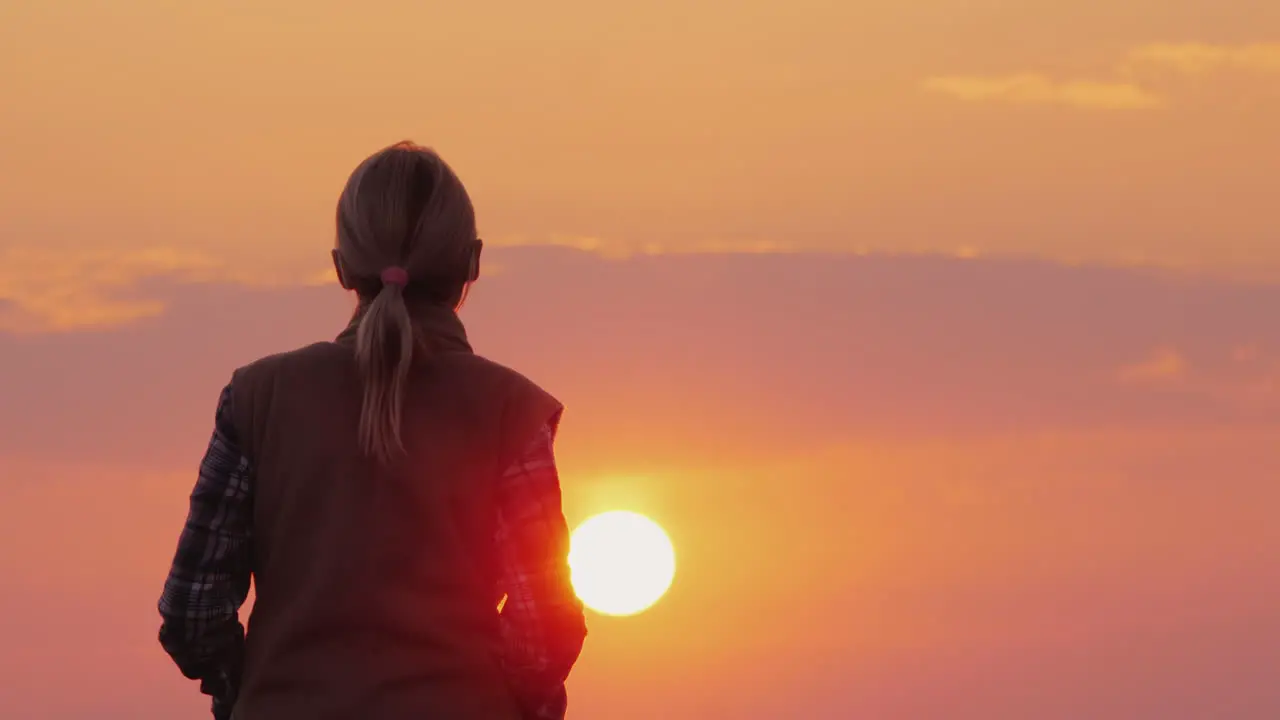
(376,587)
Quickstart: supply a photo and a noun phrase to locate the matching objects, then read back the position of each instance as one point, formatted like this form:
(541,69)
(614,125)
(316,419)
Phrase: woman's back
(386,492)
(378,585)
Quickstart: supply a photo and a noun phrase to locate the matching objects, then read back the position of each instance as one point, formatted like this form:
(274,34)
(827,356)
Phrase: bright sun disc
(621,562)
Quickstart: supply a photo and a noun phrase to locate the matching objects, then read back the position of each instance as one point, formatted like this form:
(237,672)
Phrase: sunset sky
(943,337)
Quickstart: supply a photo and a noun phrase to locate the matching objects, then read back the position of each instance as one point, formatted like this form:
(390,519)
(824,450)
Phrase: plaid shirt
(541,619)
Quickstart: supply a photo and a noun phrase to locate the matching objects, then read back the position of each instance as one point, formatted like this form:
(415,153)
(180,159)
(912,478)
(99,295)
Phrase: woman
(386,491)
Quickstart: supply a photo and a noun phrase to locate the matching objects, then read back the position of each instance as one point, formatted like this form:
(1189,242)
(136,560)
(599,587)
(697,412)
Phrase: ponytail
(403,211)
(384,352)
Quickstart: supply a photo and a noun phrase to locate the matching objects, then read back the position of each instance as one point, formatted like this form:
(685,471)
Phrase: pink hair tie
(395,275)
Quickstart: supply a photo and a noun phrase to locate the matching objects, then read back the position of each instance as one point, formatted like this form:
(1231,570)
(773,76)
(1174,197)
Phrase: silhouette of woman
(385,491)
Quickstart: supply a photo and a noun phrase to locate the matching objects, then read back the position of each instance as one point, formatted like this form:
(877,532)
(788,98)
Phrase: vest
(376,586)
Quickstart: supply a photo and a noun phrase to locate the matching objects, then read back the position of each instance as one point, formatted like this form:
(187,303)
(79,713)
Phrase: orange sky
(863,301)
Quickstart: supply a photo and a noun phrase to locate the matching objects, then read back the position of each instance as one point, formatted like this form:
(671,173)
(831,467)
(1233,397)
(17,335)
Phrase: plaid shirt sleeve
(209,578)
(542,619)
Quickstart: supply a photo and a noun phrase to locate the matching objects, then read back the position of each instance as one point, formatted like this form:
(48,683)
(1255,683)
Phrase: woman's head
(404,207)
(406,229)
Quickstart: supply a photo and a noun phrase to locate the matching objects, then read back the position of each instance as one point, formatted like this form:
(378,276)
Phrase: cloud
(1121,92)
(1029,89)
(618,249)
(1245,376)
(816,349)
(1033,89)
(1202,58)
(58,290)
(591,244)
(51,290)
(1163,366)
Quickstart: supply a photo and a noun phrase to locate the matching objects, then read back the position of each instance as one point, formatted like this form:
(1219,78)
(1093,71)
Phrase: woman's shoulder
(486,366)
(315,354)
(494,373)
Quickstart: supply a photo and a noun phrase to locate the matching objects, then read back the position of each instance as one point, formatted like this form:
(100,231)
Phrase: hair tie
(395,275)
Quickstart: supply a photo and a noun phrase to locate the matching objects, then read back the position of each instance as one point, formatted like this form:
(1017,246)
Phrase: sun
(621,562)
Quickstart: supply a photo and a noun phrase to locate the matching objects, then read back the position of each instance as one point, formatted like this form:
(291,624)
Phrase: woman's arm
(209,578)
(542,620)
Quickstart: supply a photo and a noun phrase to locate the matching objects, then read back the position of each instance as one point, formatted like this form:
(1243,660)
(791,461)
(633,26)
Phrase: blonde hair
(402,208)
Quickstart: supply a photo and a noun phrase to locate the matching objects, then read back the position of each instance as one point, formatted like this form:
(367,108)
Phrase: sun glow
(621,563)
